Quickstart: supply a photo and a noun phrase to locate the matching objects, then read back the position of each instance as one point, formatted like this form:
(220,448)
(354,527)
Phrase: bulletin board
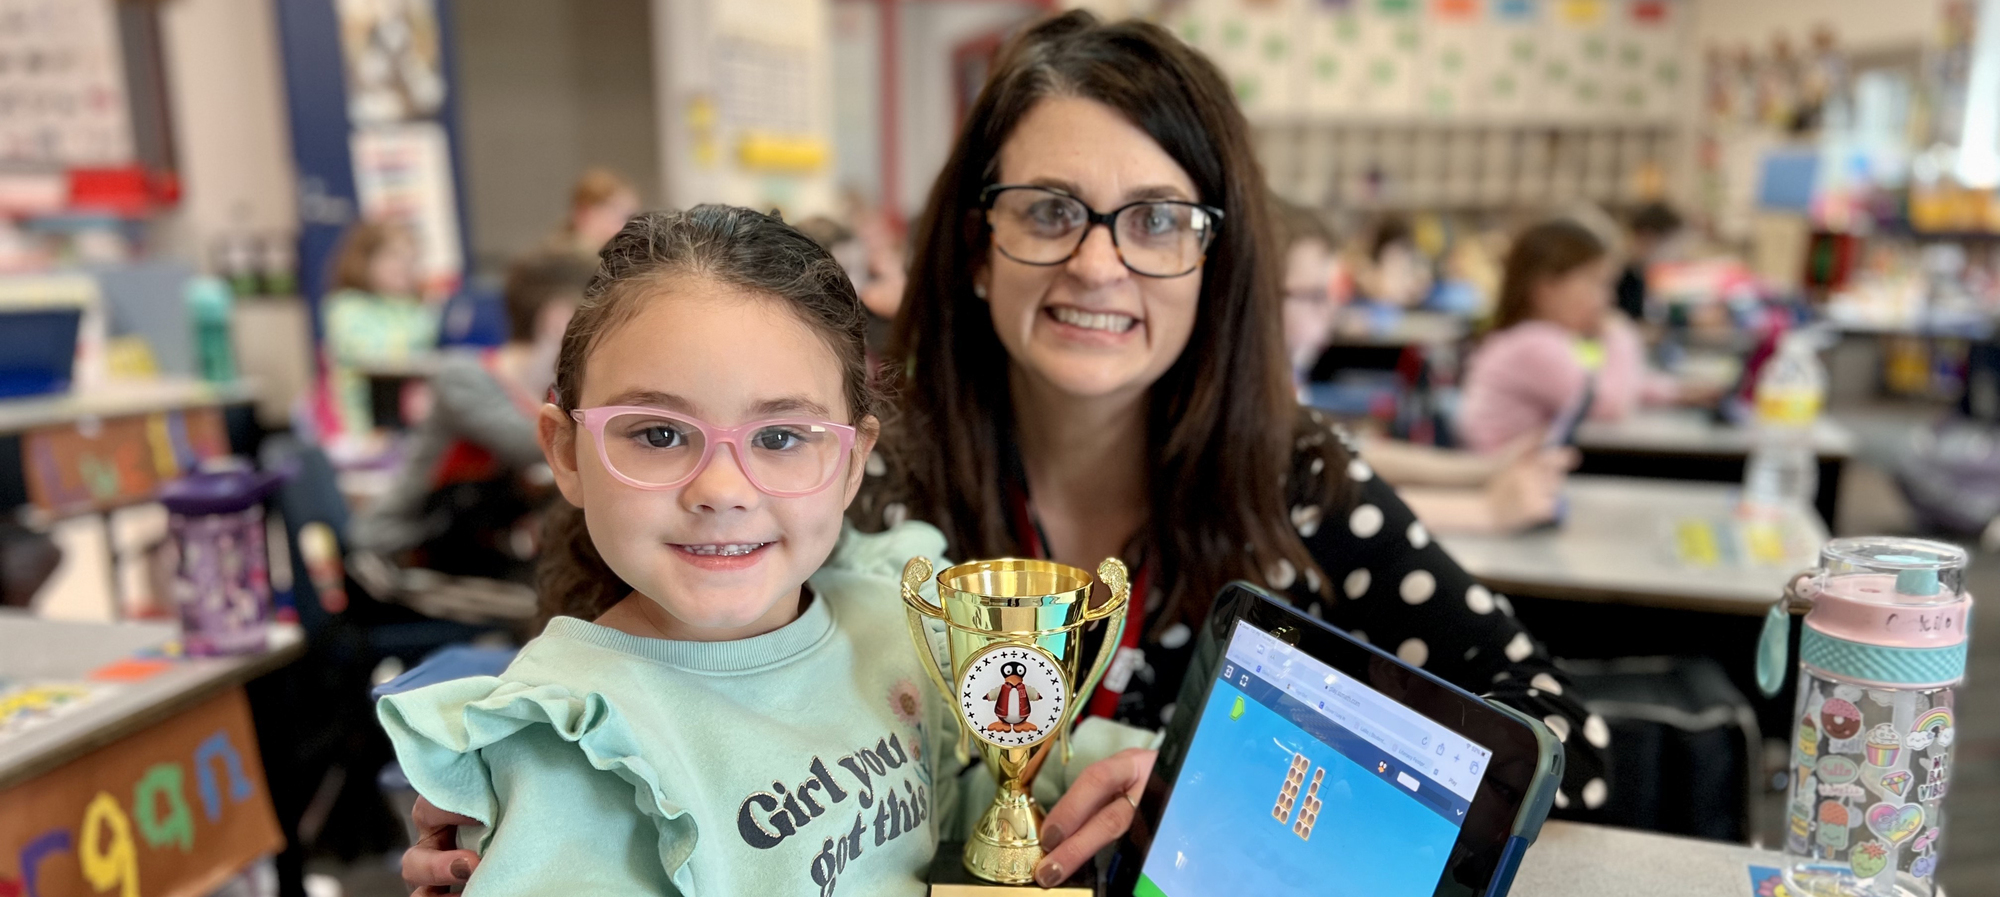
(63,100)
(1537,61)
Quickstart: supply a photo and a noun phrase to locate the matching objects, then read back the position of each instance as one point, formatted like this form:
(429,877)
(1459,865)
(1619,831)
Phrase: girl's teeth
(724,550)
(1110,322)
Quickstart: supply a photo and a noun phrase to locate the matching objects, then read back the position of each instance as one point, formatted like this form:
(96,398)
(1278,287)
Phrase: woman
(1075,394)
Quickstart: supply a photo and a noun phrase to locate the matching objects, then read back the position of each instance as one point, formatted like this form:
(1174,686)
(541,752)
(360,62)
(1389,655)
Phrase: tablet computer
(1301,761)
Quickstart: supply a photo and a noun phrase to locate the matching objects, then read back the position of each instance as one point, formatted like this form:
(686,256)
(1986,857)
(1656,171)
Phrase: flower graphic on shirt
(906,701)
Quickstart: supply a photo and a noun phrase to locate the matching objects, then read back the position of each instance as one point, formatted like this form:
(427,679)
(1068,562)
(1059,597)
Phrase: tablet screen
(1302,780)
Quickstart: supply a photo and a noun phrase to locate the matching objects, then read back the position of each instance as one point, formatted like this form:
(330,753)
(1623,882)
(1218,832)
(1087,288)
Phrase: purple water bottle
(220,583)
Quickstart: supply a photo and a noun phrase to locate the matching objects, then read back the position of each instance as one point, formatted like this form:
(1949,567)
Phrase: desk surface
(1691,431)
(1575,860)
(1618,545)
(415,367)
(1415,328)
(36,649)
(119,399)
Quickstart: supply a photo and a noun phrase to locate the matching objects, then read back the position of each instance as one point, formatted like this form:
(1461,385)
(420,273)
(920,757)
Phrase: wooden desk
(1575,860)
(1688,444)
(1618,546)
(35,649)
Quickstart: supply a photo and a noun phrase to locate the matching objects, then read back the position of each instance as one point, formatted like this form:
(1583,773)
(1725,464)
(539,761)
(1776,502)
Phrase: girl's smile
(724,556)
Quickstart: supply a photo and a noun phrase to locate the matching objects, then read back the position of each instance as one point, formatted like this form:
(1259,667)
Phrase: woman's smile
(1076,324)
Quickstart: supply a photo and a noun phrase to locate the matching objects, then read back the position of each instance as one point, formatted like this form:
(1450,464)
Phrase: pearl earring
(979,289)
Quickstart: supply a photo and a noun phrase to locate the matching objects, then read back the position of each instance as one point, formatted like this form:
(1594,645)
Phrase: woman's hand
(433,867)
(1095,811)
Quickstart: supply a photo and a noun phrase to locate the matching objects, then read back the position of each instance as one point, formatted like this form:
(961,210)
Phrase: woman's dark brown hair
(1220,421)
(715,243)
(1542,252)
(357,251)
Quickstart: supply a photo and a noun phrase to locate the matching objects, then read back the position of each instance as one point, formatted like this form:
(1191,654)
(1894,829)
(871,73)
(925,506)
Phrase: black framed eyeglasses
(1045,226)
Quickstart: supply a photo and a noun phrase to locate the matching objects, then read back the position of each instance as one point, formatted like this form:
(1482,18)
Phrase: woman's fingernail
(1050,875)
(1051,836)
(461,869)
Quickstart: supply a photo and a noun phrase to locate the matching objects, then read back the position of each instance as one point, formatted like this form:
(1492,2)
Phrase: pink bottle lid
(1866,608)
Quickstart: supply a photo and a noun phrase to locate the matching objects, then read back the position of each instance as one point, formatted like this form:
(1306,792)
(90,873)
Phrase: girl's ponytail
(571,579)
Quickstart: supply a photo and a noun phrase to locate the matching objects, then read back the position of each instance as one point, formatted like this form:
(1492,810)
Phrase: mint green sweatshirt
(812,758)
(798,761)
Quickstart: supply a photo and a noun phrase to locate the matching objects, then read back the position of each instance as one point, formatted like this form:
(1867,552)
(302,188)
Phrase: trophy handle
(1112,571)
(914,573)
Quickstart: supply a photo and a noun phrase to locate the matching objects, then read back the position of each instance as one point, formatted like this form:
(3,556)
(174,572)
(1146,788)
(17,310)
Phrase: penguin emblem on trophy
(1012,699)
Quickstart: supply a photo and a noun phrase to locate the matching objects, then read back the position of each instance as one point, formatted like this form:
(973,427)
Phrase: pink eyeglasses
(647,448)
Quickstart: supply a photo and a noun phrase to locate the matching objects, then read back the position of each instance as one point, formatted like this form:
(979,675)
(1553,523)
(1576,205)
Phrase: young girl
(745,714)
(1552,334)
(374,315)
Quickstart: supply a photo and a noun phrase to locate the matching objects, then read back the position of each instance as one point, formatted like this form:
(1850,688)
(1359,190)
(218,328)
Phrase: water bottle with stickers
(1881,655)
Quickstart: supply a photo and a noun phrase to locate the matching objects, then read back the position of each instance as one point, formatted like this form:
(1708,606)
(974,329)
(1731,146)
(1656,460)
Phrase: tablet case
(1535,808)
(1541,789)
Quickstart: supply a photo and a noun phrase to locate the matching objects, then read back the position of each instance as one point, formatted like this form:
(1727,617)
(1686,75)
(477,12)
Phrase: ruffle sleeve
(439,731)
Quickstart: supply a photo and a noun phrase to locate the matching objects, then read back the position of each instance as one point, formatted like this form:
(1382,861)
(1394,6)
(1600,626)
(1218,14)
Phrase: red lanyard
(1105,702)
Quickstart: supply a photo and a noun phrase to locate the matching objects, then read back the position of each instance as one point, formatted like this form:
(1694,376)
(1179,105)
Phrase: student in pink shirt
(1554,329)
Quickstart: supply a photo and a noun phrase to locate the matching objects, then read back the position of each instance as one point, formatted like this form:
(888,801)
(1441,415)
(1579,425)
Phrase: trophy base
(949,878)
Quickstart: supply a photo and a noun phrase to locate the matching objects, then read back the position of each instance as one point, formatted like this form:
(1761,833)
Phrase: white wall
(929,108)
(857,105)
(225,96)
(546,90)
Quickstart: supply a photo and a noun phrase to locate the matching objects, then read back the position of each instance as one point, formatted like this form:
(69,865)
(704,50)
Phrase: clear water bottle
(1782,472)
(1881,655)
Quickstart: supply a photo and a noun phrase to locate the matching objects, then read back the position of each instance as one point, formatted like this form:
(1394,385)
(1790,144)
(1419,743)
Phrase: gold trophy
(1015,631)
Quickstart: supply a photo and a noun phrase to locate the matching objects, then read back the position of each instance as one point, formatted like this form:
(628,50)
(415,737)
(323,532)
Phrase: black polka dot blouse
(1391,585)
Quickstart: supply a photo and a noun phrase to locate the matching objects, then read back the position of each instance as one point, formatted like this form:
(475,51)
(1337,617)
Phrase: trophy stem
(1007,842)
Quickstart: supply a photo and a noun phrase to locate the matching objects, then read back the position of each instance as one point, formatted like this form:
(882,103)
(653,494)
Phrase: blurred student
(872,255)
(1450,491)
(1649,231)
(464,502)
(600,203)
(1315,284)
(373,316)
(1395,272)
(1554,331)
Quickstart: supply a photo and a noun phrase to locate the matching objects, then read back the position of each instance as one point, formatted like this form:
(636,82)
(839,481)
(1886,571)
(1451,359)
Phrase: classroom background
(242,241)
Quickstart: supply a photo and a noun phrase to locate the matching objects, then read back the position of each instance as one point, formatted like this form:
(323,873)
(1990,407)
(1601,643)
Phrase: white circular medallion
(1012,696)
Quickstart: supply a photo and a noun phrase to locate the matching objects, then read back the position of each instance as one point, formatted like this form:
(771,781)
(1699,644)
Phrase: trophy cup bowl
(1014,630)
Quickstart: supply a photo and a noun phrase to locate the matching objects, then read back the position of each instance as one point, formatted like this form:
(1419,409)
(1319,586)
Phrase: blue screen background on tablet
(1372,838)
